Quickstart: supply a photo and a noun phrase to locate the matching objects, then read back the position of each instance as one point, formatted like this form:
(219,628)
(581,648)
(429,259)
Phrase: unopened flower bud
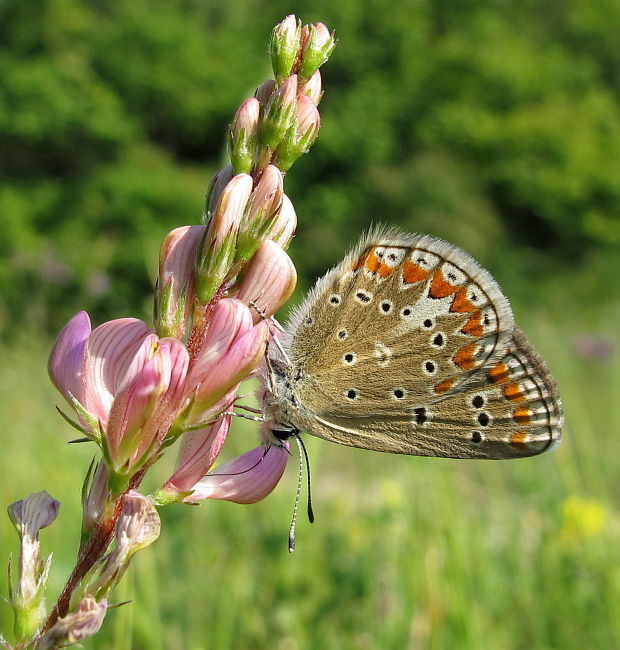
(301,136)
(243,138)
(268,282)
(217,254)
(218,183)
(283,47)
(312,88)
(279,113)
(263,209)
(285,225)
(265,91)
(177,282)
(317,44)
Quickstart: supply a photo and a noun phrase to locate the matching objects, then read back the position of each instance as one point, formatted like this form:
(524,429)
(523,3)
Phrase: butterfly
(409,346)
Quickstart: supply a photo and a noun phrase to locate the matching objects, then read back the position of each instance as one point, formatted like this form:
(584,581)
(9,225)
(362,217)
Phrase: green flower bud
(283,47)
(279,113)
(317,44)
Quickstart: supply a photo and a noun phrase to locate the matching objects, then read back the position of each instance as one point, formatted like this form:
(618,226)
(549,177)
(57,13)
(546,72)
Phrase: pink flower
(197,454)
(269,280)
(232,348)
(176,283)
(125,383)
(245,479)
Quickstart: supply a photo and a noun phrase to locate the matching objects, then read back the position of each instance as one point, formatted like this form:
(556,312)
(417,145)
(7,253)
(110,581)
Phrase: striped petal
(111,360)
(245,479)
(67,357)
(197,453)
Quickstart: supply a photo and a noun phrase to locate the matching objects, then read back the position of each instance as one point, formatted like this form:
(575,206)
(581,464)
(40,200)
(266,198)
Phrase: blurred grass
(405,552)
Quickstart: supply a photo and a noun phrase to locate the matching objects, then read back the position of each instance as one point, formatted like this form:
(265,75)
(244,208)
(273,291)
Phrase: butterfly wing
(511,410)
(390,344)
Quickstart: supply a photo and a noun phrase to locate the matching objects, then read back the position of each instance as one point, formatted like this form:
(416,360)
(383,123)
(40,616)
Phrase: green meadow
(495,125)
(405,552)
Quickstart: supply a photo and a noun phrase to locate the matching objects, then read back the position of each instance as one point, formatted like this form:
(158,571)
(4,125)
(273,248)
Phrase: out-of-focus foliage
(496,125)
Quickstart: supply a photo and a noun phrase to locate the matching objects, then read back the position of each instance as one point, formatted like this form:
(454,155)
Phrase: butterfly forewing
(404,318)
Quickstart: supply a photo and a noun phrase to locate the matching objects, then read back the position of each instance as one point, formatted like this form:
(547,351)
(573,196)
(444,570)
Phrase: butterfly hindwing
(509,410)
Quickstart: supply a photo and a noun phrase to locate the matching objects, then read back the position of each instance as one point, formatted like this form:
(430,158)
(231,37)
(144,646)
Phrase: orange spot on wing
(513,392)
(360,261)
(464,358)
(444,386)
(372,262)
(473,326)
(461,303)
(440,288)
(499,373)
(385,270)
(518,439)
(523,415)
(413,272)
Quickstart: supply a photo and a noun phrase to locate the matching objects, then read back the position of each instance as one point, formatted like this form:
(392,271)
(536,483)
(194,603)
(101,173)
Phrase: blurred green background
(495,125)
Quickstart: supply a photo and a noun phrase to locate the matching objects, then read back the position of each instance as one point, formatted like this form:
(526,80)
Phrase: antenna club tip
(291,545)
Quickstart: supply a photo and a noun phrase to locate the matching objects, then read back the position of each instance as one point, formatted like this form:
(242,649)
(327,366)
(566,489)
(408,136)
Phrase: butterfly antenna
(291,530)
(300,443)
(303,455)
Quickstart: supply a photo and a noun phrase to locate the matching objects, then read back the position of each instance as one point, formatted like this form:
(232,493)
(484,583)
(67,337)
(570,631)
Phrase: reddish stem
(94,550)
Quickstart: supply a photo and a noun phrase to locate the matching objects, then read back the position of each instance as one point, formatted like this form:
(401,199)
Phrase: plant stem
(90,554)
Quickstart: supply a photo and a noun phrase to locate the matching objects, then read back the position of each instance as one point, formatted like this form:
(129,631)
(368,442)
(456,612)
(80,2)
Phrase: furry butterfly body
(409,346)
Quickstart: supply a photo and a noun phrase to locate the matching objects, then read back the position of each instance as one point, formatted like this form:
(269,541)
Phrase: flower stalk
(135,389)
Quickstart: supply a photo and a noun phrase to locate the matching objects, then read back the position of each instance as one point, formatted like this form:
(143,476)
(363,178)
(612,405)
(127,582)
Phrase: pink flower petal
(67,357)
(179,363)
(197,453)
(131,428)
(269,280)
(245,479)
(111,349)
(177,281)
(242,357)
(231,319)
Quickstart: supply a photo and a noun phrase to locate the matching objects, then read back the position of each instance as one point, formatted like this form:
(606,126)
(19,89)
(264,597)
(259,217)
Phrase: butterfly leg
(273,337)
